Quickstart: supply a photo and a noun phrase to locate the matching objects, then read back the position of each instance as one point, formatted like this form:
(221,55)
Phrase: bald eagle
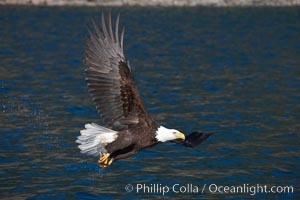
(129,127)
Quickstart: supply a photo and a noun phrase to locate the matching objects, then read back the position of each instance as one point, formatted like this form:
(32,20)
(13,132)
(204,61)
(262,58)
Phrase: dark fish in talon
(129,127)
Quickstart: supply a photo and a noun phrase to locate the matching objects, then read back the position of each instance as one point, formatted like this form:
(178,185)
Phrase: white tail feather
(94,138)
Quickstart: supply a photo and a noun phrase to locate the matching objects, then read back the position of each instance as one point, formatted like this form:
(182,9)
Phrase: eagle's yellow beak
(180,136)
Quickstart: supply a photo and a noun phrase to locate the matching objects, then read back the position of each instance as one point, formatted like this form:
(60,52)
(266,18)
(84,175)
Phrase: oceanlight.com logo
(161,189)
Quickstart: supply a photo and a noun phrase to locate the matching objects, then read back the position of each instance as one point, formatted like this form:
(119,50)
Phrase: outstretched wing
(109,77)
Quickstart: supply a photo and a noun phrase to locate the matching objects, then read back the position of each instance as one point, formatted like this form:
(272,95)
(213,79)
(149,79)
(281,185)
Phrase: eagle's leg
(107,163)
(103,157)
(104,160)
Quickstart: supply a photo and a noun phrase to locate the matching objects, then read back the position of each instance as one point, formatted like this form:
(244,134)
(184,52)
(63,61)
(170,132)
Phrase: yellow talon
(103,166)
(103,157)
(106,163)
(110,161)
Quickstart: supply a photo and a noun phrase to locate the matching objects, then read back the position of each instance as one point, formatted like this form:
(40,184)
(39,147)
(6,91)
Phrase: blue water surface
(233,71)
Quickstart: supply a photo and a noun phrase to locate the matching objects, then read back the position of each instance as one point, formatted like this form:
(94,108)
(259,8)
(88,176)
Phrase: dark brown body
(131,141)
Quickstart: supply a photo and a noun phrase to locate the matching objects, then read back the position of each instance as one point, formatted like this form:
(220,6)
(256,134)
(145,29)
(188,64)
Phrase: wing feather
(109,78)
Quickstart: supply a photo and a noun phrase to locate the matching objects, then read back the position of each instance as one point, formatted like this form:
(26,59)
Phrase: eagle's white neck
(164,134)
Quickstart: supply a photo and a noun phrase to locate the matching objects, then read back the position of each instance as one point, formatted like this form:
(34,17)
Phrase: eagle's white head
(164,134)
